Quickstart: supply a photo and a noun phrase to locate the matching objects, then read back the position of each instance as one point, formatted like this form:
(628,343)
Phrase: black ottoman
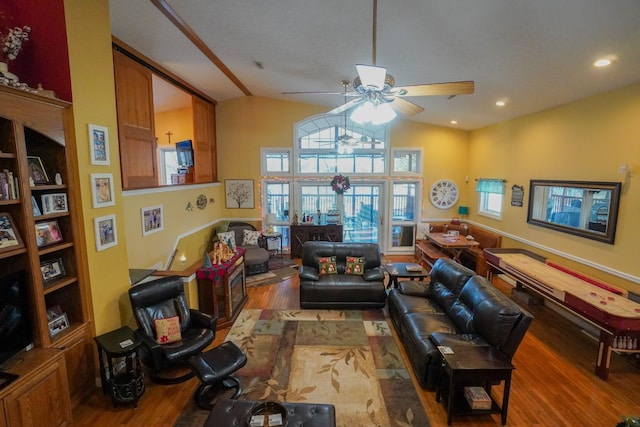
(214,368)
(229,412)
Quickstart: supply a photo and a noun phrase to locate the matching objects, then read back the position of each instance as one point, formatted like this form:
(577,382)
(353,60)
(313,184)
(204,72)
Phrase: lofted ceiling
(533,54)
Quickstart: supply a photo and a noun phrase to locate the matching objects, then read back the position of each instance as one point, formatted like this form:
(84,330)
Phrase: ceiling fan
(375,89)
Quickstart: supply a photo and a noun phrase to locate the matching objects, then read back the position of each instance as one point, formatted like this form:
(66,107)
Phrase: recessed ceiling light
(501,103)
(605,61)
(454,122)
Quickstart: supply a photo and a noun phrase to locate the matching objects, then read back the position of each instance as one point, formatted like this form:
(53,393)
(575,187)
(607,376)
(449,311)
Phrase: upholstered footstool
(214,368)
(229,412)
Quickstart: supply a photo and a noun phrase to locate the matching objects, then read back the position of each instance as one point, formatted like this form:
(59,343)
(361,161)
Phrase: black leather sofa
(341,291)
(454,307)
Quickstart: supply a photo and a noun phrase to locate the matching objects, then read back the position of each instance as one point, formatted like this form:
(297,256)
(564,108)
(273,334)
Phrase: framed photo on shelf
(37,173)
(99,145)
(35,207)
(9,236)
(238,193)
(58,324)
(54,203)
(102,190)
(48,233)
(152,220)
(52,269)
(106,233)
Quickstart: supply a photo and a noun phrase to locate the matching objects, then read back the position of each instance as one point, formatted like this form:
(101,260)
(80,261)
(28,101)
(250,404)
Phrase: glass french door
(362,208)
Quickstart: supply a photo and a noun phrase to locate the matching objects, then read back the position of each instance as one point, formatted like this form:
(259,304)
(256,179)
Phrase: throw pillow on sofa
(355,265)
(327,265)
(229,238)
(250,238)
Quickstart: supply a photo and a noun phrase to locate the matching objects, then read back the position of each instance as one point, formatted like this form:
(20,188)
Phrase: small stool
(214,368)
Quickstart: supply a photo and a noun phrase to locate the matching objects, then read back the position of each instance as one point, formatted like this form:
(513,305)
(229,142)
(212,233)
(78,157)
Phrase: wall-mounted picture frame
(48,233)
(37,172)
(54,203)
(52,269)
(99,145)
(105,231)
(238,193)
(152,219)
(102,190)
(9,236)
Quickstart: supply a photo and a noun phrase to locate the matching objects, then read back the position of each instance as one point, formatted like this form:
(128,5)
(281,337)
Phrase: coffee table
(228,412)
(398,270)
(471,365)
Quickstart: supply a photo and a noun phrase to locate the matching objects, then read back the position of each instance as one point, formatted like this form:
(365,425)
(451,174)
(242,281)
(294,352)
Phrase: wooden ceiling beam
(199,43)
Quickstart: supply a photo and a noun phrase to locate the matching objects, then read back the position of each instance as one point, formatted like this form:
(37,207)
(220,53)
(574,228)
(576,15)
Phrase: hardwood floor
(553,385)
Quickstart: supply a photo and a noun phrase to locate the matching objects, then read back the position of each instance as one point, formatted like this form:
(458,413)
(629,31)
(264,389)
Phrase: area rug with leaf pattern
(345,358)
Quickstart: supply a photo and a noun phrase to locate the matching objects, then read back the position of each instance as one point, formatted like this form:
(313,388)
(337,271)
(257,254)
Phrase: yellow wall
(584,141)
(89,41)
(182,218)
(178,122)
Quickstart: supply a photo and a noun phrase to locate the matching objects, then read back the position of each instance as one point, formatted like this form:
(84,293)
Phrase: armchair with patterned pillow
(245,235)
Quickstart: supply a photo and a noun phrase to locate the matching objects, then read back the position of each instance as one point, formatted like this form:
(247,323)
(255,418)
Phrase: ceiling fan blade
(372,76)
(322,93)
(344,107)
(407,108)
(450,88)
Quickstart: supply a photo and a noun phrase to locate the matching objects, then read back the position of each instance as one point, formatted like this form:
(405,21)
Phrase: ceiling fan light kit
(369,112)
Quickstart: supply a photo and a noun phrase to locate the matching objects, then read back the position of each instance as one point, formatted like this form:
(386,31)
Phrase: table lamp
(463,210)
(270,219)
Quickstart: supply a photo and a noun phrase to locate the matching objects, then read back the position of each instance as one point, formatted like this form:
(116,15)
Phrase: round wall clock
(444,194)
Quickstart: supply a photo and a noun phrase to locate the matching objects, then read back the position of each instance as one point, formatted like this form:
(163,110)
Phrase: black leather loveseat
(455,307)
(341,290)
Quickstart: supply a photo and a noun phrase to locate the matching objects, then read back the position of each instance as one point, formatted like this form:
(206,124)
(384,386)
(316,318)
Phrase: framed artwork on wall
(106,232)
(99,145)
(152,219)
(102,190)
(238,193)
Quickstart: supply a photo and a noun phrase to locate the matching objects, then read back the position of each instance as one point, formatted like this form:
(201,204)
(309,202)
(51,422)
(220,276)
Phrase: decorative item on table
(333,216)
(629,422)
(455,221)
(221,253)
(340,184)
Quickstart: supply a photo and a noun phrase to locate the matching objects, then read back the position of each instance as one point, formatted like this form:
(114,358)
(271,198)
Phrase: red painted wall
(44,57)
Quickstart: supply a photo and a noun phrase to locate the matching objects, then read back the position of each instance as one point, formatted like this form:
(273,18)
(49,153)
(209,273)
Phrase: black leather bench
(229,412)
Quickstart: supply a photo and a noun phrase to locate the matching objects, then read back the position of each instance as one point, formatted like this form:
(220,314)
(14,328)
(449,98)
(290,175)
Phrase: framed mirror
(582,208)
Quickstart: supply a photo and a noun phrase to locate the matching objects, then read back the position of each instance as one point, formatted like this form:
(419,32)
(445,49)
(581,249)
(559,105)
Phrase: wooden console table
(222,289)
(309,232)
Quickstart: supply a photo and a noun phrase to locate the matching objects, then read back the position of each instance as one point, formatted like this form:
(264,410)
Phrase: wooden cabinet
(37,130)
(136,128)
(136,131)
(302,233)
(223,293)
(40,396)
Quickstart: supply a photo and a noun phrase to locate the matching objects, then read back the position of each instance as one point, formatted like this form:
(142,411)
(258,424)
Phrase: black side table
(121,376)
(471,365)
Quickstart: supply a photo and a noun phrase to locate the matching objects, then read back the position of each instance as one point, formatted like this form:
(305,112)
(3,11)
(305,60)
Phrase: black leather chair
(164,298)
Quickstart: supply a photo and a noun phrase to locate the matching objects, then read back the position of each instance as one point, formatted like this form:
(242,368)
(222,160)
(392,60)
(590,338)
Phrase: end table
(121,376)
(470,365)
